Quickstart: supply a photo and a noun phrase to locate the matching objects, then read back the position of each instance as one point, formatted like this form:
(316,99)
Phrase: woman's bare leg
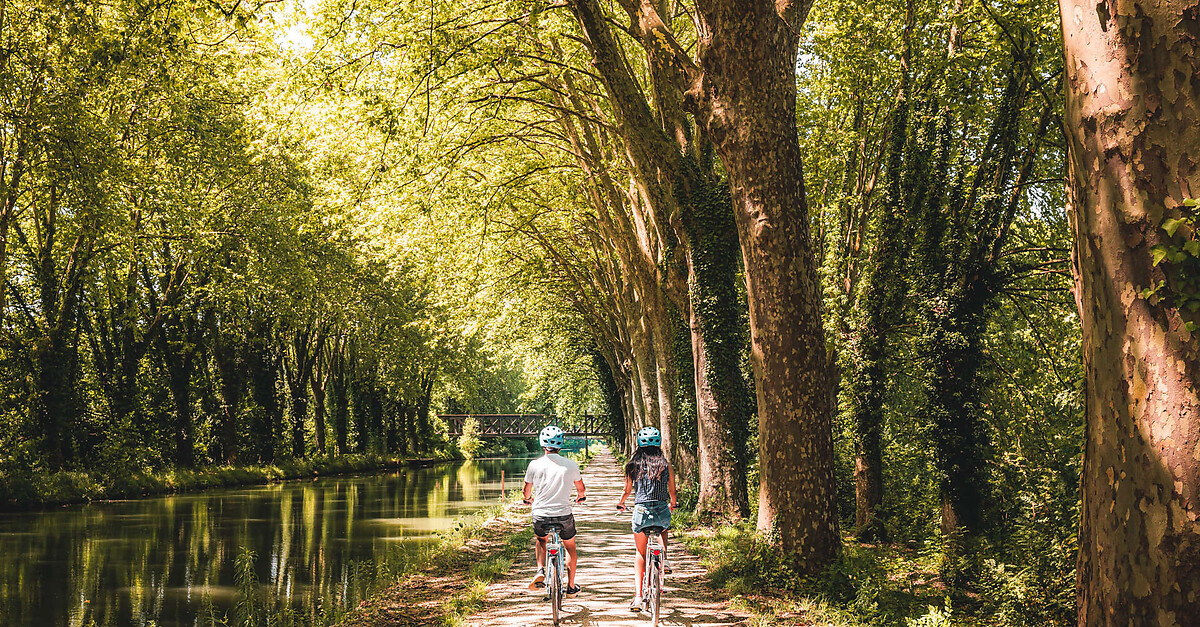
(639,564)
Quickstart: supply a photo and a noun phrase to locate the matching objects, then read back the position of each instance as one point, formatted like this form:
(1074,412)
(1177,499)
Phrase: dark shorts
(541,530)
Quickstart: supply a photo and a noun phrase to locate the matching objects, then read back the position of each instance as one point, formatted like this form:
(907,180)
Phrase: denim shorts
(651,514)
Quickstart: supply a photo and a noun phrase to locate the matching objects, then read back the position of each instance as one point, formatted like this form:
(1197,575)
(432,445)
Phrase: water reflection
(170,561)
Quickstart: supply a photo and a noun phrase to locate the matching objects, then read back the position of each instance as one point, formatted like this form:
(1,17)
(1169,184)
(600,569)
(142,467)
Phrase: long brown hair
(647,461)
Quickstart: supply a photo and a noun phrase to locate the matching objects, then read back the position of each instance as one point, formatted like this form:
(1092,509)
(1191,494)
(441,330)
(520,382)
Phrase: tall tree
(744,93)
(1132,101)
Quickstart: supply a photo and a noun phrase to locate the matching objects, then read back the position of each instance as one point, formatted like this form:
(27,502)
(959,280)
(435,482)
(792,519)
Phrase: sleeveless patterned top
(647,489)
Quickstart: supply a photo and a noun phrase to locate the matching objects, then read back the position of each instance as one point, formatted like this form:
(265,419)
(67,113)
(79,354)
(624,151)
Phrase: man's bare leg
(572,560)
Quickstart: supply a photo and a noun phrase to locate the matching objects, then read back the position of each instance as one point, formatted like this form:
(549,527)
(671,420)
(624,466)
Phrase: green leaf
(1170,225)
(1192,246)
(1159,252)
(1191,202)
(1190,326)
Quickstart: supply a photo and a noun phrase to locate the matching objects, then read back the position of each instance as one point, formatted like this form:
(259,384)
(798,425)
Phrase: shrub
(469,442)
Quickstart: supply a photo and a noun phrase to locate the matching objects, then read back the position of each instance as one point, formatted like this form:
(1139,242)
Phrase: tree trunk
(716,325)
(55,389)
(404,413)
(362,412)
(424,425)
(1132,101)
(175,342)
(299,415)
(264,374)
(747,106)
(723,491)
(229,355)
(319,380)
(341,399)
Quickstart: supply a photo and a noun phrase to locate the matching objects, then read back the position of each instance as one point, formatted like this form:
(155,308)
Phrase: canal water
(318,546)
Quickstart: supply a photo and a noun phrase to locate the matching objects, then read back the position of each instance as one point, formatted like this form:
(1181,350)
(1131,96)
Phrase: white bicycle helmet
(552,437)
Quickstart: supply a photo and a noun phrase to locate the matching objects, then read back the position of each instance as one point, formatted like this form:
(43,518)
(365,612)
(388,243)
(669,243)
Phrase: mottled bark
(746,101)
(1132,105)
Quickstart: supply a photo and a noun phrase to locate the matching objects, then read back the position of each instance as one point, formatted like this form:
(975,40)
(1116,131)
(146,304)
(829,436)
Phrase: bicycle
(652,573)
(555,568)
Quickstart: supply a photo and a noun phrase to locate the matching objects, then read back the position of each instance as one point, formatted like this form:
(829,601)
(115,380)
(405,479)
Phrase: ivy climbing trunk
(1132,101)
(746,101)
(722,398)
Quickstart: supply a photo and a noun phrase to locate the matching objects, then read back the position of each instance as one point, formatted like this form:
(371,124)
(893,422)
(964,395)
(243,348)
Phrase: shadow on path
(606,573)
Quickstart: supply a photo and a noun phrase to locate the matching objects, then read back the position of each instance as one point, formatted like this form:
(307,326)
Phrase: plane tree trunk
(745,99)
(1132,101)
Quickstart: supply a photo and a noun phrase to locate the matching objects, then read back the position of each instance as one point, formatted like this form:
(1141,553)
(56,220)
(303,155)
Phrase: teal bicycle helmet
(649,436)
(552,437)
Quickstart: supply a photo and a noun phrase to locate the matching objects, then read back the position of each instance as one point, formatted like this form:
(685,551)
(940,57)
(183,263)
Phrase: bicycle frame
(652,571)
(652,574)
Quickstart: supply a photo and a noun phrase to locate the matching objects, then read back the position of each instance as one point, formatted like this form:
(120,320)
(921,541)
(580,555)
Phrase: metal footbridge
(526,425)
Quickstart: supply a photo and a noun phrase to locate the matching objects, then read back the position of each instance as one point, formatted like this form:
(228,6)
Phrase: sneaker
(538,579)
(666,565)
(572,590)
(636,605)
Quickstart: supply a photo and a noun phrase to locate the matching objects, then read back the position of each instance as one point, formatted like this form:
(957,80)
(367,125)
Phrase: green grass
(458,607)
(31,489)
(867,586)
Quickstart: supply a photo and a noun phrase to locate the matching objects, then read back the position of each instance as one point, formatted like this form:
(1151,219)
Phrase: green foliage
(249,610)
(935,617)
(469,443)
(1178,256)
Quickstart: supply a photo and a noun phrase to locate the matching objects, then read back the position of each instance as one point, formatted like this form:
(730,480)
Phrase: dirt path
(606,572)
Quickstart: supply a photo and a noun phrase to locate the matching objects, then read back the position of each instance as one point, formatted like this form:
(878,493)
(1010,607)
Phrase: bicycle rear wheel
(555,589)
(655,594)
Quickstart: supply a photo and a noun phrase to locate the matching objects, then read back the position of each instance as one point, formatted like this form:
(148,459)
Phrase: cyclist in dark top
(649,477)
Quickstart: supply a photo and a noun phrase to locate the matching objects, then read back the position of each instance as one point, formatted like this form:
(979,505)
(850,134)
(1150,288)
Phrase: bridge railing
(525,425)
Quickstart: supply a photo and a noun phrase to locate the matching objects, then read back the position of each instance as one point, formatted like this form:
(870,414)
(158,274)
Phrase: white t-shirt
(552,476)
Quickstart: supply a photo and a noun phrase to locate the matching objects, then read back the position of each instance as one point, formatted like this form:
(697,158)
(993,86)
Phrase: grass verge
(869,585)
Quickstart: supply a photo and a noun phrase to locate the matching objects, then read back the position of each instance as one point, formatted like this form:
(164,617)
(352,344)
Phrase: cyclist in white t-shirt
(548,483)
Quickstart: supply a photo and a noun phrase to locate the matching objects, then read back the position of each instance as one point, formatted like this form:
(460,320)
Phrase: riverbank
(453,578)
(24,491)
